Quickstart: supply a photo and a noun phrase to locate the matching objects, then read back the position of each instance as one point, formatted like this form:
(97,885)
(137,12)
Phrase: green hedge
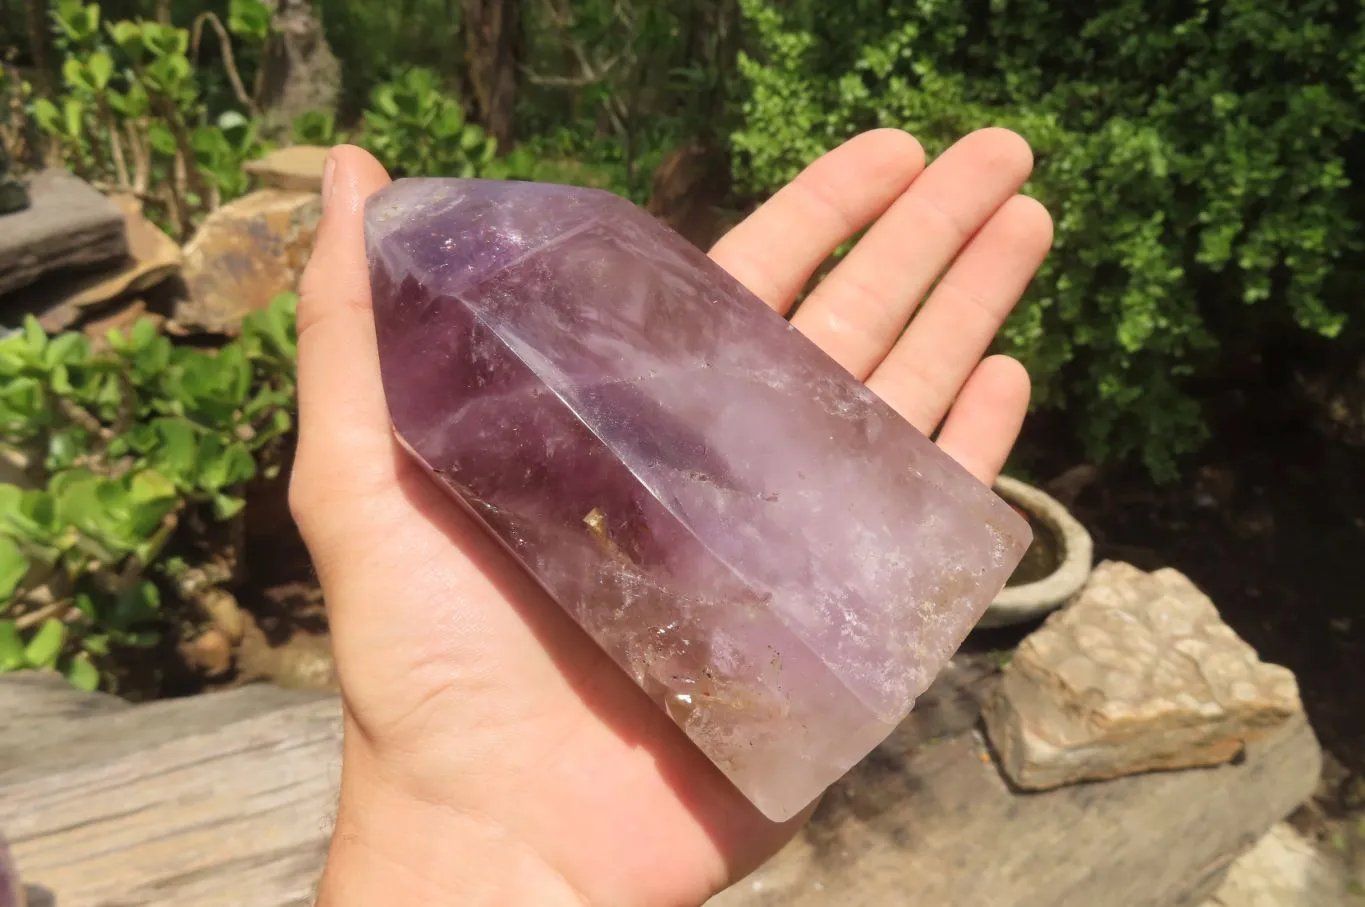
(1198,158)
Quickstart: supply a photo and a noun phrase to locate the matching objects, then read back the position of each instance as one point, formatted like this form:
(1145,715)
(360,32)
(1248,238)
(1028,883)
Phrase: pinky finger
(985,420)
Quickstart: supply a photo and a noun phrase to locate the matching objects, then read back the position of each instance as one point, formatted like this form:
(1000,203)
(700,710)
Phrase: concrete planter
(1056,566)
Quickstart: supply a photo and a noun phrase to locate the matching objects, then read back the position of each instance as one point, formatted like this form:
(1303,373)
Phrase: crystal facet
(775,556)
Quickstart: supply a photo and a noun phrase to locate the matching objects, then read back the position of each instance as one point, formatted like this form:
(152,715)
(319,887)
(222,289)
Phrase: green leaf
(225,465)
(82,674)
(143,334)
(160,137)
(11,647)
(96,643)
(75,76)
(176,453)
(87,605)
(46,645)
(101,67)
(249,19)
(225,506)
(73,113)
(30,514)
(384,99)
(35,336)
(151,496)
(47,115)
(64,446)
(10,498)
(125,34)
(13,567)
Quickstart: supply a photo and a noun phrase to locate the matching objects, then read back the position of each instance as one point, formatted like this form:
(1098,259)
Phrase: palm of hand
(466,689)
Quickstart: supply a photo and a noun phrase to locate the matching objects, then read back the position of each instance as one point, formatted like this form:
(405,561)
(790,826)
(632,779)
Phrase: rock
(297,168)
(299,72)
(68,225)
(152,257)
(928,819)
(1285,869)
(244,255)
(211,652)
(1139,673)
(303,661)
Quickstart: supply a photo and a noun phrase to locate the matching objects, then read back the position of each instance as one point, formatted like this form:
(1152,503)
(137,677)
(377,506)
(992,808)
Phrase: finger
(860,309)
(985,421)
(343,417)
(777,248)
(943,344)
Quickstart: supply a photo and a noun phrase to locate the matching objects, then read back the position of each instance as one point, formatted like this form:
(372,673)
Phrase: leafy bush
(133,116)
(416,128)
(137,456)
(1197,159)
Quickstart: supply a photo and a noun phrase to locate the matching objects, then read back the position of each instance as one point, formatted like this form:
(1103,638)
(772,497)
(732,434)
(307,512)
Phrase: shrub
(415,128)
(133,117)
(1196,158)
(137,456)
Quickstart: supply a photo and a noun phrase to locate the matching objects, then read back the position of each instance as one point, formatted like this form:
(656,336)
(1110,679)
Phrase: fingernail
(327,170)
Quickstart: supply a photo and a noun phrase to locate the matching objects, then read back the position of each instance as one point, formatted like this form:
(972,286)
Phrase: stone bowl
(1055,567)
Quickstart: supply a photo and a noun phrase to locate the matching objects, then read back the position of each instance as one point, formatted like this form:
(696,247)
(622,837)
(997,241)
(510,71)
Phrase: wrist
(389,847)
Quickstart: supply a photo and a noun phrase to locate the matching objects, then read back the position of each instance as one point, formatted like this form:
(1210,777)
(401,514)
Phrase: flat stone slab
(297,168)
(64,300)
(68,225)
(1138,673)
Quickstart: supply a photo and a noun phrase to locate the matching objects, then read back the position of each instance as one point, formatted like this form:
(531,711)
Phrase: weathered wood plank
(240,814)
(41,707)
(924,822)
(100,735)
(236,815)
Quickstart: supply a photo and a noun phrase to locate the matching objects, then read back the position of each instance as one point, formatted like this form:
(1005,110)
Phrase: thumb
(343,417)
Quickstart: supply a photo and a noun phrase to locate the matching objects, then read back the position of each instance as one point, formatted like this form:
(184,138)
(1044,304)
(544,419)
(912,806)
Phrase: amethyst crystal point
(776,557)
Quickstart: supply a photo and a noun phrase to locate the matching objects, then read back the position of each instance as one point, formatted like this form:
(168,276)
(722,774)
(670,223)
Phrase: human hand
(493,754)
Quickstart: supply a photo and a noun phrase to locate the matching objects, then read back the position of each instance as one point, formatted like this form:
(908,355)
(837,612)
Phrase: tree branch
(229,64)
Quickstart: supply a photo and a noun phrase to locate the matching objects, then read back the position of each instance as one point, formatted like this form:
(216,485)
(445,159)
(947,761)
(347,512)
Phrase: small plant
(415,128)
(133,117)
(137,457)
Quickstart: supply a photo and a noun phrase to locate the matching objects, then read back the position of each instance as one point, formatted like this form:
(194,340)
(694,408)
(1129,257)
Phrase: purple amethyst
(775,556)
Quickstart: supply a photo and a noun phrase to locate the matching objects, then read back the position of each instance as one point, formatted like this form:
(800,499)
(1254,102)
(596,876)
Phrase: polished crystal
(778,559)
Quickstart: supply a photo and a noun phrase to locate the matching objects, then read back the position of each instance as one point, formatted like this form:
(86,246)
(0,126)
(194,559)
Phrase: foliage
(617,84)
(138,456)
(416,128)
(376,39)
(1196,158)
(132,114)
